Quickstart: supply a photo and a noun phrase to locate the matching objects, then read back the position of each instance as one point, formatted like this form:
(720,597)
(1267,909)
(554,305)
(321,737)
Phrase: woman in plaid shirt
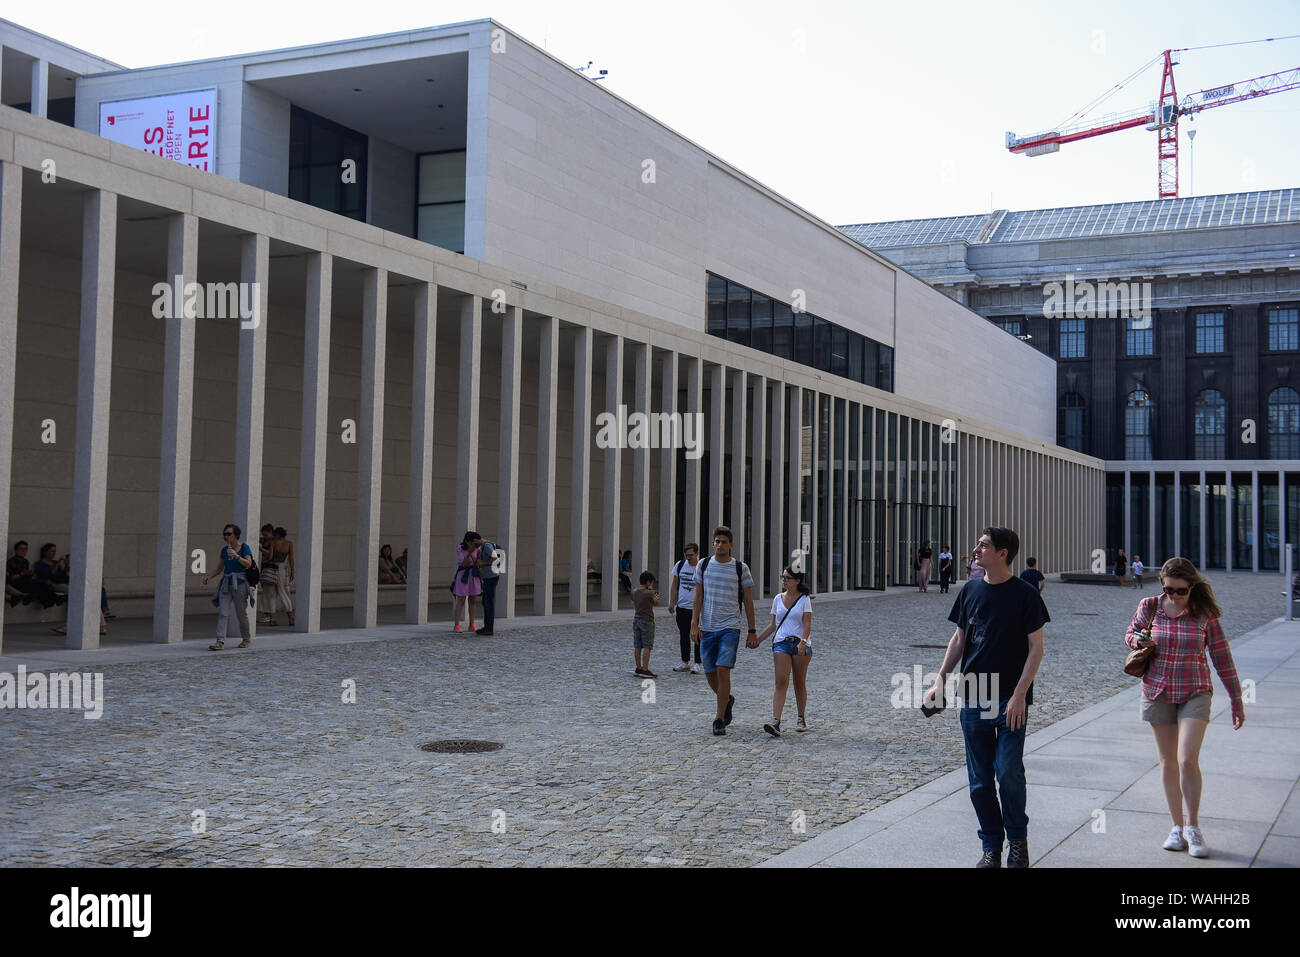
(1176,689)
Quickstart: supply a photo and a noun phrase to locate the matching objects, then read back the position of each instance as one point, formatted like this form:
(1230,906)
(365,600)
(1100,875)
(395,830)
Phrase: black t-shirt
(924,554)
(16,566)
(1032,575)
(997,621)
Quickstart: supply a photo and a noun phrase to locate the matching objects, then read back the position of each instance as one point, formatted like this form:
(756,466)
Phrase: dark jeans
(489,602)
(684,628)
(992,752)
(944,579)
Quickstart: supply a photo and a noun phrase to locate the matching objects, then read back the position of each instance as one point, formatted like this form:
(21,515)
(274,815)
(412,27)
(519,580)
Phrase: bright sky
(857,111)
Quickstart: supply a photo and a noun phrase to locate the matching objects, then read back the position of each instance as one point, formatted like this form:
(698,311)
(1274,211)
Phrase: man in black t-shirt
(998,644)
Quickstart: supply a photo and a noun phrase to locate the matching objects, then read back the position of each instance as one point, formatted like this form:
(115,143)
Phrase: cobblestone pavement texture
(286,773)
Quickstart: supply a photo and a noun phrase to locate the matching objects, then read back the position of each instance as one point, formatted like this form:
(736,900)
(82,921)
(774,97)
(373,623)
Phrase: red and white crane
(1162,116)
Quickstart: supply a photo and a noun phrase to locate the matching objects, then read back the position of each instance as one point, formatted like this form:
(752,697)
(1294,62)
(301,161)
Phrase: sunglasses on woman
(1180,592)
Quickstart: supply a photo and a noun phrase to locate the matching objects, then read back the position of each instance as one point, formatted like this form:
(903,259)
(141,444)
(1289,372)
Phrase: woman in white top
(791,646)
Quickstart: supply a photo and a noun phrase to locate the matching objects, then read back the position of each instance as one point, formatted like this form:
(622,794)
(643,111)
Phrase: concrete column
(580,485)
(171,560)
(1282,543)
(1128,517)
(793,452)
(758,514)
(814,553)
(507,530)
(644,376)
(1178,515)
(668,550)
(94,389)
(1255,527)
(717,443)
(310,547)
(842,504)
(776,547)
(11,217)
(424,337)
(692,526)
(370,457)
(613,481)
(41,107)
(737,516)
(1227,520)
(250,405)
(548,385)
(467,413)
(1204,512)
(832,498)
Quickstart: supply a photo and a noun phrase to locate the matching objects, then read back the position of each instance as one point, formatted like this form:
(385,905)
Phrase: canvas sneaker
(696,669)
(774,729)
(1175,842)
(684,666)
(1195,842)
(801,724)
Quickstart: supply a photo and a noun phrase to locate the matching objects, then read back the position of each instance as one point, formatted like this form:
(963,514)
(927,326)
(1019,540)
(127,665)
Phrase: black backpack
(740,577)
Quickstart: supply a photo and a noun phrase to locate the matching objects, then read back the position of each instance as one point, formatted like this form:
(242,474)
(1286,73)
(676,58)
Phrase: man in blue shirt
(999,645)
(490,577)
(1033,575)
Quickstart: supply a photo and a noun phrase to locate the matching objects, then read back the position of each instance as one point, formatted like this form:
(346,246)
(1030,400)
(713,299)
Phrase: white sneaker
(1175,840)
(801,724)
(696,669)
(684,666)
(1195,842)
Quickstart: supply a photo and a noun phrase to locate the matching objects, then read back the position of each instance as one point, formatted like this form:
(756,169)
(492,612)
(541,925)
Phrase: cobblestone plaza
(286,773)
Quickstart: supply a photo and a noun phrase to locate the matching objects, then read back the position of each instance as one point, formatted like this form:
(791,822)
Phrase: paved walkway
(592,770)
(1095,798)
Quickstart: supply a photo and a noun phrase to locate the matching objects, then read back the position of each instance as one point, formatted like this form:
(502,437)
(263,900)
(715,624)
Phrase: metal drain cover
(458,746)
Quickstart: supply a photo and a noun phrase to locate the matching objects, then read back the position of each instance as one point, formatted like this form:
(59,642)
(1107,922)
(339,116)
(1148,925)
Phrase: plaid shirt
(1178,665)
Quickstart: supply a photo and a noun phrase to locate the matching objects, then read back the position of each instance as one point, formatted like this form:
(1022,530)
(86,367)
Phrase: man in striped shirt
(721,584)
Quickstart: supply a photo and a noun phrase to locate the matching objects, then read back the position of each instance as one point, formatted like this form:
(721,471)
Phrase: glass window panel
(803,338)
(1209,332)
(821,344)
(1283,329)
(1284,423)
(857,350)
(1140,336)
(761,323)
(442,178)
(442,225)
(885,369)
(717,308)
(1209,424)
(1072,339)
(839,351)
(1137,426)
(782,330)
(738,313)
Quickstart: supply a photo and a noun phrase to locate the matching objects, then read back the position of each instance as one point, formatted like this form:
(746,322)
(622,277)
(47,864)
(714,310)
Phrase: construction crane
(1161,117)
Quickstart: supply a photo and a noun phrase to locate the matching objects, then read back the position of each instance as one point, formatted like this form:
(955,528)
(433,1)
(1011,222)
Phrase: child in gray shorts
(644,600)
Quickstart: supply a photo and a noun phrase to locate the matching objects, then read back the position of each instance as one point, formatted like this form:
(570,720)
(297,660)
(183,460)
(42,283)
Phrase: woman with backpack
(791,630)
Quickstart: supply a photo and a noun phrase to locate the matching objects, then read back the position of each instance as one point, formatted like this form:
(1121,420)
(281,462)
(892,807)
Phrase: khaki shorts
(1162,711)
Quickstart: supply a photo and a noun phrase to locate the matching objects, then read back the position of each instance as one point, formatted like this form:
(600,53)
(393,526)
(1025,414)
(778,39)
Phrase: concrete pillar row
(310,547)
(669,552)
(171,560)
(424,337)
(548,385)
(94,391)
(643,381)
(11,217)
(250,405)
(612,458)
(581,471)
(467,412)
(758,514)
(776,547)
(738,415)
(507,531)
(370,458)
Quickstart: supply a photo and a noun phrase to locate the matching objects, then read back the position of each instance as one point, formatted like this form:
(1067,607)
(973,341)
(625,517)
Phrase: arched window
(1069,421)
(1284,424)
(1137,425)
(1209,423)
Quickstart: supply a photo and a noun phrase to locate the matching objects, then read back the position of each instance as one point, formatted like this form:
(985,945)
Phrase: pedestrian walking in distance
(924,556)
(998,645)
(233,596)
(681,603)
(1183,624)
(723,587)
(791,633)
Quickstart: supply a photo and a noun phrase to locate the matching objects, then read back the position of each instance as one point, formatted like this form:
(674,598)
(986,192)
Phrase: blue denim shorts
(718,649)
(791,647)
